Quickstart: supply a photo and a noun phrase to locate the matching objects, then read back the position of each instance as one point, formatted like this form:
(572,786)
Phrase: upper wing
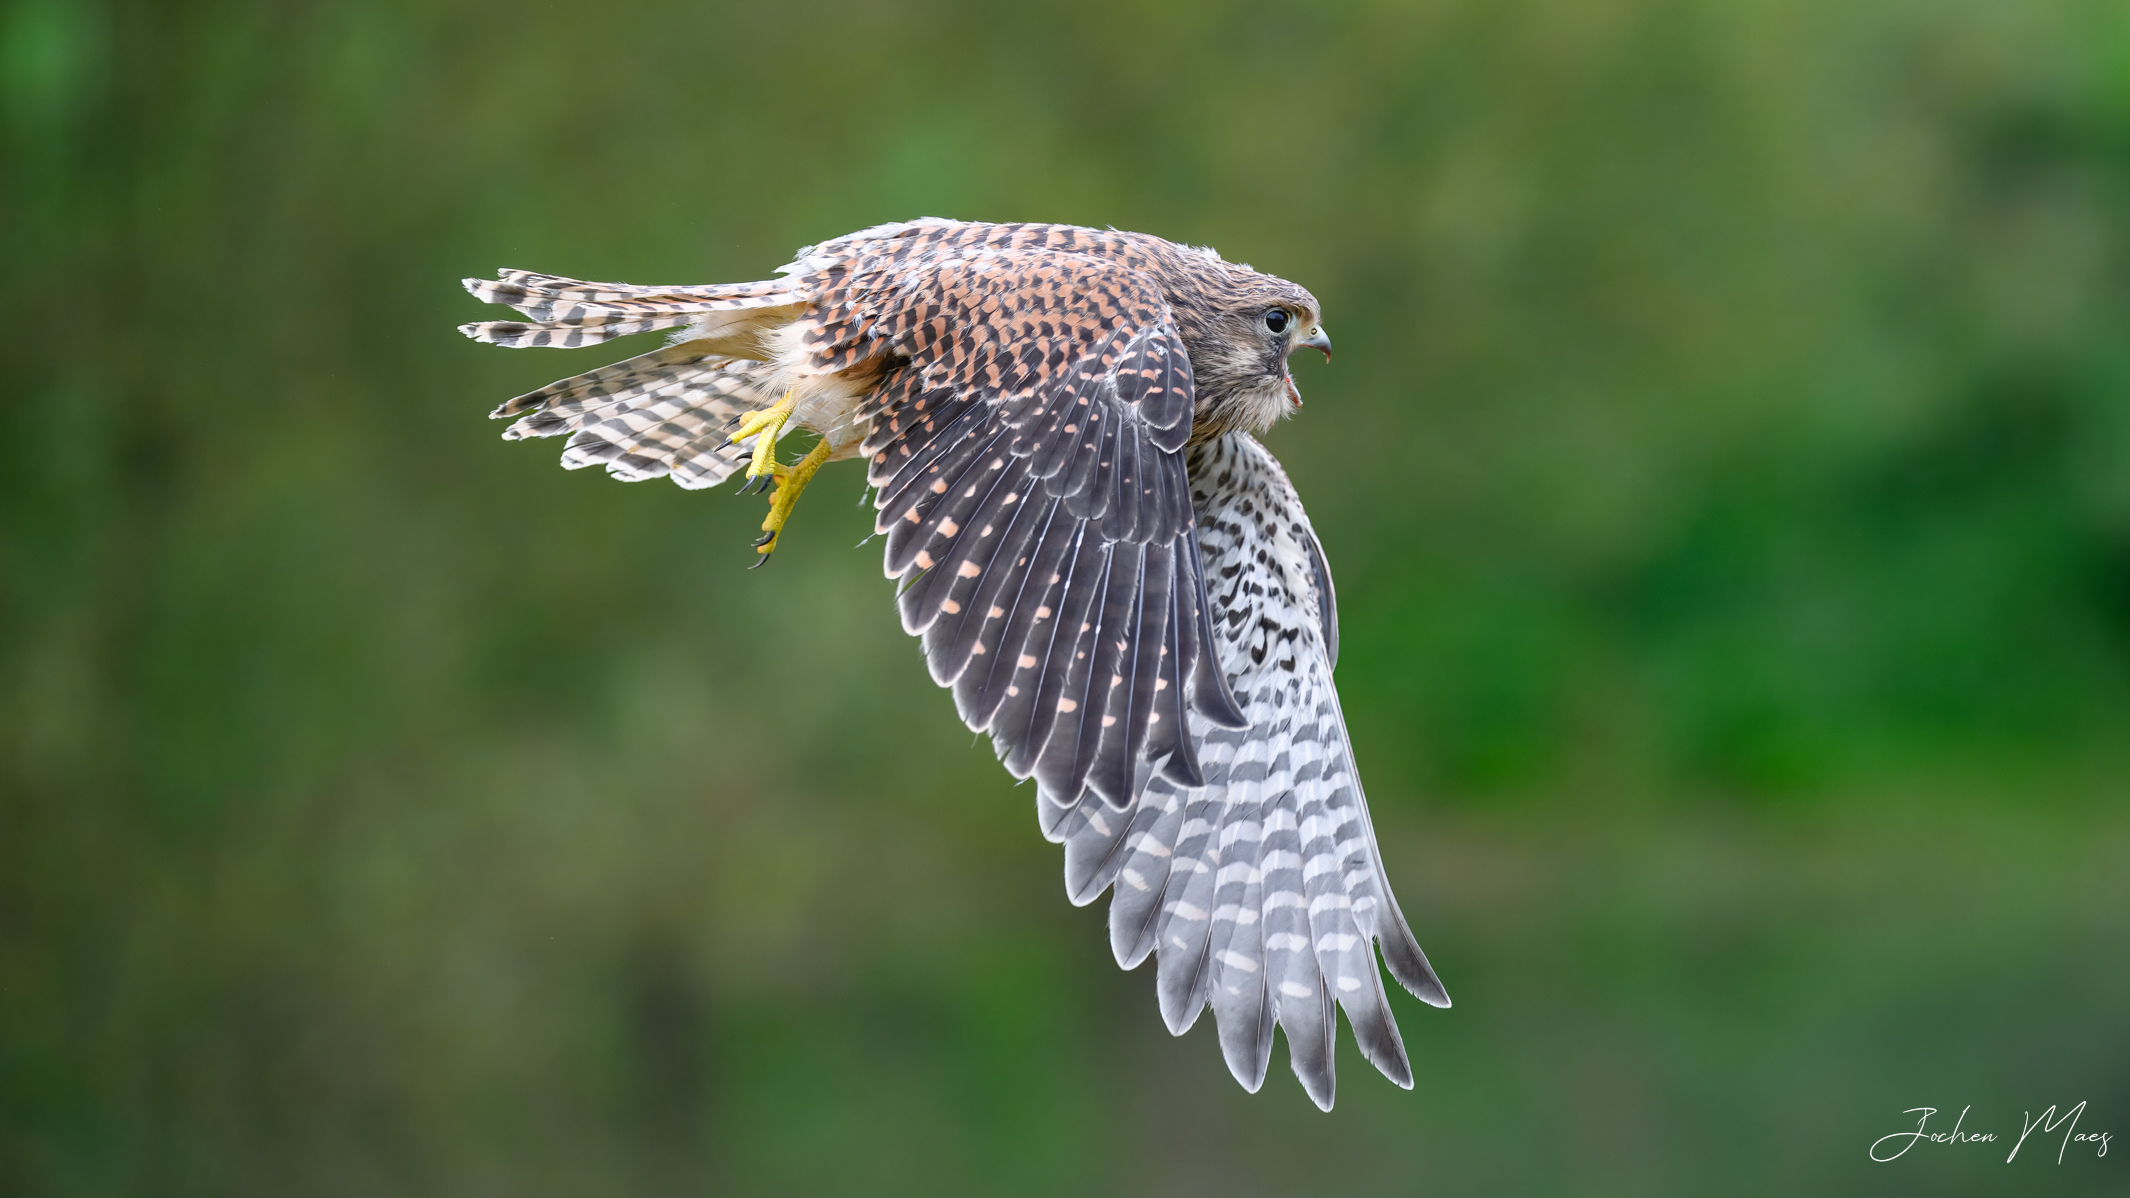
(1262,890)
(1026,443)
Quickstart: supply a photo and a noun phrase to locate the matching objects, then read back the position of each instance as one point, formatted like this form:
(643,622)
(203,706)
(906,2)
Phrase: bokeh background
(1726,467)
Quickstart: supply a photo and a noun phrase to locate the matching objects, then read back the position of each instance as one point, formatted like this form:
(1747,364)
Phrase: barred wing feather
(1262,891)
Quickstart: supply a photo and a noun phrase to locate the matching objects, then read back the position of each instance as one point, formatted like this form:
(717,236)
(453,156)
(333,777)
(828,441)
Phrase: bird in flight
(1113,576)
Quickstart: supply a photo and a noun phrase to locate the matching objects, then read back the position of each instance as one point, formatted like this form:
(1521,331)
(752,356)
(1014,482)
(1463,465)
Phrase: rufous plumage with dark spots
(1113,576)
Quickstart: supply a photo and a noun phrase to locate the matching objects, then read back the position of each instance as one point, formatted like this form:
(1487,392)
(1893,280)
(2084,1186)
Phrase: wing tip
(1178,1020)
(1129,948)
(1249,1056)
(1418,978)
(1405,959)
(1314,1071)
(1086,891)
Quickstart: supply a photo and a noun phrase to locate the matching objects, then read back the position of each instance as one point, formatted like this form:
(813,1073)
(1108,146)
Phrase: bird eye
(1276,320)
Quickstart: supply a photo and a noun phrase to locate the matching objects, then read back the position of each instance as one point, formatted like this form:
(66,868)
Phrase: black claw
(764,539)
(760,562)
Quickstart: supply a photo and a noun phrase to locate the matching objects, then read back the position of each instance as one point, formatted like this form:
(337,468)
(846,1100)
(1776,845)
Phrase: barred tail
(666,413)
(567,313)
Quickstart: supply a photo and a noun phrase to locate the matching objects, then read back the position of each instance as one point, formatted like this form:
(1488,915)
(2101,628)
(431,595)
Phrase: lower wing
(1262,891)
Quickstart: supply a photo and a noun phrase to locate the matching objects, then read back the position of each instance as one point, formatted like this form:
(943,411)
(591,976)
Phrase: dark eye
(1276,319)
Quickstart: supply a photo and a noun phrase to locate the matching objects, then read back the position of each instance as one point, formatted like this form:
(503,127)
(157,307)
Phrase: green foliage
(1726,468)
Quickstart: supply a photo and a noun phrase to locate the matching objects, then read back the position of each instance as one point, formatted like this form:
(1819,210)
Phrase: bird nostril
(1317,339)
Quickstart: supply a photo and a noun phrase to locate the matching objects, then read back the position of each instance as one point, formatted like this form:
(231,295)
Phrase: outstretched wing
(1026,442)
(1263,890)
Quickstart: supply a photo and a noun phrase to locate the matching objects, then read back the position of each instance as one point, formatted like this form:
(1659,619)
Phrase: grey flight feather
(1263,891)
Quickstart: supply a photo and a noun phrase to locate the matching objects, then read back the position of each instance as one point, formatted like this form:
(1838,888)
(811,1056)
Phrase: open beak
(1315,340)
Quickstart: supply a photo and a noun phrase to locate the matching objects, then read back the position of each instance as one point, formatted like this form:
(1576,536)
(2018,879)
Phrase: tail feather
(566,313)
(569,334)
(545,298)
(666,413)
(625,380)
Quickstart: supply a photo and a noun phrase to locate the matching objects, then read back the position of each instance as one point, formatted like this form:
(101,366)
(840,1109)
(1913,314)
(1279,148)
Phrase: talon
(789,481)
(765,427)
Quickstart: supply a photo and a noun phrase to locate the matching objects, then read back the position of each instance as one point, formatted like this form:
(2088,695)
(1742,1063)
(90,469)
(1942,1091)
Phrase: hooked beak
(1315,340)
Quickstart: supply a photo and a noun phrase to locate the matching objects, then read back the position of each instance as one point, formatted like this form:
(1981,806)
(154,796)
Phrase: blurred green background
(1726,468)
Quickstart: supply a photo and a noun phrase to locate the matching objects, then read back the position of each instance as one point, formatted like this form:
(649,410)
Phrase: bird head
(1240,332)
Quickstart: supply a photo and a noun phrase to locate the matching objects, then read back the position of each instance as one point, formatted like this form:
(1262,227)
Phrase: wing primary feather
(1150,646)
(1134,704)
(964,536)
(1076,594)
(1210,694)
(1051,543)
(942,510)
(1101,644)
(1069,755)
(1171,742)
(1290,962)
(1093,847)
(1242,1002)
(1186,929)
(1004,562)
(1152,869)
(1111,774)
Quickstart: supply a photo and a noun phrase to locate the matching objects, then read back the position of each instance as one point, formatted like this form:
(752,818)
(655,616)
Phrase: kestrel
(1114,577)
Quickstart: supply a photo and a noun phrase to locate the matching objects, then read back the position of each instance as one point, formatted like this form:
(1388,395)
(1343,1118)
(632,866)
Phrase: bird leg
(765,427)
(790,481)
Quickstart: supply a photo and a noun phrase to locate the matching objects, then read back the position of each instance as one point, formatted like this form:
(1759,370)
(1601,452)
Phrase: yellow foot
(791,480)
(765,427)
